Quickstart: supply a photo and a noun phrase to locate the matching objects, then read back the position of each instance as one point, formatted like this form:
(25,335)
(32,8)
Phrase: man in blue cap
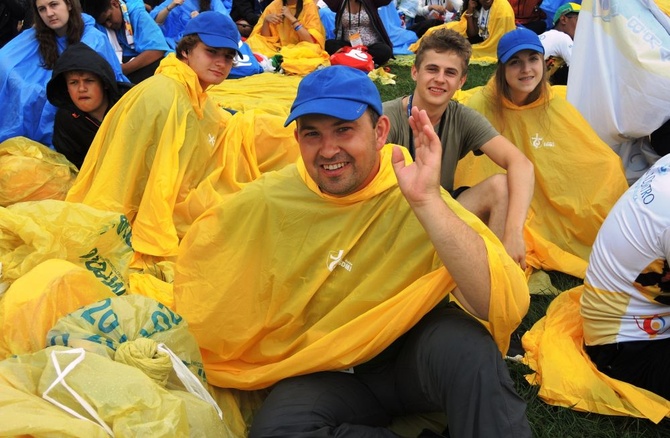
(336,286)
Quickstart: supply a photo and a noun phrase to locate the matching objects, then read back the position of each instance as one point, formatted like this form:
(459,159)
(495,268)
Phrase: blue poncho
(23,79)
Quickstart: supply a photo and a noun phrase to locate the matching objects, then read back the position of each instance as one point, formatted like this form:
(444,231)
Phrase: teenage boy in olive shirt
(501,201)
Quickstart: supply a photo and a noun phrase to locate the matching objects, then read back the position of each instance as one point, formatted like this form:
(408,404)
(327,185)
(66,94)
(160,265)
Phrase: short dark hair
(445,40)
(95,8)
(186,44)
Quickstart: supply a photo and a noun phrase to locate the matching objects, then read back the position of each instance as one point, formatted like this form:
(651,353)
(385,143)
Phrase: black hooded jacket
(74,129)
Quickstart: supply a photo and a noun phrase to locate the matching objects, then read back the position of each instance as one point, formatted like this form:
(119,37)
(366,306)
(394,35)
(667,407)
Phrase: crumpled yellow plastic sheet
(30,171)
(33,232)
(36,301)
(271,93)
(125,399)
(103,326)
(382,76)
(567,376)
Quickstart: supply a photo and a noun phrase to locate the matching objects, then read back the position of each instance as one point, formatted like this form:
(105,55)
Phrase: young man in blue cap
(335,288)
(162,139)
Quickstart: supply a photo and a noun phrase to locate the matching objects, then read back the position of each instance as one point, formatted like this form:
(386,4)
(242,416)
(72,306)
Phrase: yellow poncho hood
(578,178)
(338,281)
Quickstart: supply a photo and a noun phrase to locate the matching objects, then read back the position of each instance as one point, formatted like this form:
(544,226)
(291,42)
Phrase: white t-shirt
(627,286)
(557,44)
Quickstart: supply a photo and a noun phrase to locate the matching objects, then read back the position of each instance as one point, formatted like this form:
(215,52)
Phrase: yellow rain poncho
(501,21)
(567,376)
(282,280)
(299,57)
(578,178)
(166,152)
(265,92)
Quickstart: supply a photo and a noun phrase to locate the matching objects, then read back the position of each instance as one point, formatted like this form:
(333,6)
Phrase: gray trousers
(447,363)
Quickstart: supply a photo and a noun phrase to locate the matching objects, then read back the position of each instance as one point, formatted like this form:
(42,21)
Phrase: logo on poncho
(335,259)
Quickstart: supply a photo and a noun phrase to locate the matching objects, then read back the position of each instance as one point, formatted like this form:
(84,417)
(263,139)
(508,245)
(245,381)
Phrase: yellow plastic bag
(32,232)
(139,331)
(31,171)
(94,389)
(35,301)
(101,327)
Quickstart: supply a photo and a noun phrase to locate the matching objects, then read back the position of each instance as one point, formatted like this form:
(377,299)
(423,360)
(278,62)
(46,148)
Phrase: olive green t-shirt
(463,130)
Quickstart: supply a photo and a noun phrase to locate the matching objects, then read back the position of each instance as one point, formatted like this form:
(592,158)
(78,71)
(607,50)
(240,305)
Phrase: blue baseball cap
(516,40)
(337,91)
(215,29)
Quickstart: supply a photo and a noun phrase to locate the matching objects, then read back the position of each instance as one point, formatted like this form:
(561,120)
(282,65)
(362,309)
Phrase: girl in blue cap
(577,176)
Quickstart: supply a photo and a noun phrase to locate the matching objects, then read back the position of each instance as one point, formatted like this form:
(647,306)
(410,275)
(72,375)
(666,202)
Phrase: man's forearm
(463,253)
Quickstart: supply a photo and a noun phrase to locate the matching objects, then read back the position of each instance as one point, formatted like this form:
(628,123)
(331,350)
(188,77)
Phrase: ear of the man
(382,130)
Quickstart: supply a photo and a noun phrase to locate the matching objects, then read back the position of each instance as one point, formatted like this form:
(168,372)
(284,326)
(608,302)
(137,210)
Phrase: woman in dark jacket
(357,22)
(83,87)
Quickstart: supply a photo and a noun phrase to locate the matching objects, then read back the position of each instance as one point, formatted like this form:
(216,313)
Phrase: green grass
(546,421)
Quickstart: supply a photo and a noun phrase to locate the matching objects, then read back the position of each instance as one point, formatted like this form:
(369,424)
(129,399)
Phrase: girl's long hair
(46,37)
(498,89)
(298,7)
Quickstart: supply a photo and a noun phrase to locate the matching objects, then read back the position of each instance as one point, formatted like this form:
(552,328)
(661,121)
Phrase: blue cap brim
(219,42)
(516,49)
(339,108)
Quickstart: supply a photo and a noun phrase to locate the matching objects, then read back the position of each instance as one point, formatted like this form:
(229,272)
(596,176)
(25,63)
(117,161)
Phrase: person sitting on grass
(27,62)
(344,261)
(501,201)
(293,29)
(557,43)
(625,304)
(483,23)
(162,139)
(578,178)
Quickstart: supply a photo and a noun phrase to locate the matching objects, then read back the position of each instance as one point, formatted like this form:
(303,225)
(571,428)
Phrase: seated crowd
(228,215)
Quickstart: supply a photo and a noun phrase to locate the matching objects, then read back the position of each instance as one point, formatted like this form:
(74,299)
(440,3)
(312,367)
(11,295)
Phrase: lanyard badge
(127,26)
